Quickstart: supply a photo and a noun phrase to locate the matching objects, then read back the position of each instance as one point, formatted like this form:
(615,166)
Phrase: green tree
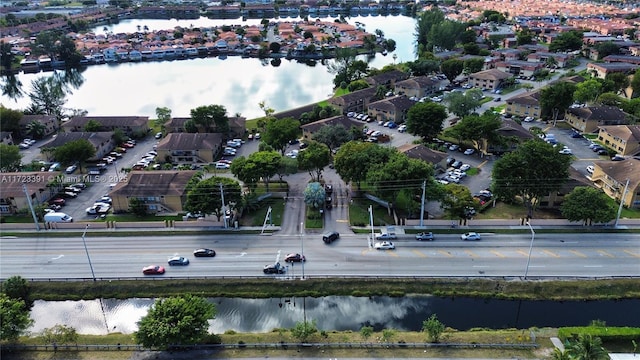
(313,159)
(566,41)
(444,35)
(10,120)
(75,151)
(163,115)
(36,129)
(314,195)
(287,166)
(278,132)
(206,195)
(388,334)
(92,126)
(606,48)
(398,173)
(179,320)
(137,207)
(332,136)
(619,81)
(59,335)
(259,165)
(587,91)
(587,204)
(346,67)
(426,119)
(524,37)
(366,332)
(425,23)
(531,172)
(587,347)
(422,67)
(10,158)
(48,96)
(473,65)
(555,99)
(433,327)
(463,104)
(15,318)
(212,118)
(16,287)
(452,68)
(354,159)
(477,129)
(635,82)
(190,126)
(457,200)
(304,329)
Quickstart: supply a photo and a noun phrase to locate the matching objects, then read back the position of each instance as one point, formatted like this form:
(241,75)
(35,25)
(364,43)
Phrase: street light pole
(533,236)
(87,251)
(302,247)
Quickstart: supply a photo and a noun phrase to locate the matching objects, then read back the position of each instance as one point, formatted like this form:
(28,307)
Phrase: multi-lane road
(562,255)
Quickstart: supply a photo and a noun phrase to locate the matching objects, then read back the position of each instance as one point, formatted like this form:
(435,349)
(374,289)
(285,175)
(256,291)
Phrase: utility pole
(373,234)
(87,251)
(224,212)
(424,191)
(33,213)
(302,248)
(624,193)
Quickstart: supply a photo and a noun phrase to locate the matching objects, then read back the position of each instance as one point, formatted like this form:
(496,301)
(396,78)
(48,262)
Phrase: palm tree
(559,355)
(587,347)
(36,129)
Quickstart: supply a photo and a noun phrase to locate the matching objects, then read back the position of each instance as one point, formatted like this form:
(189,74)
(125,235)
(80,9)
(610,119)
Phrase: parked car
(386,236)
(204,253)
(57,201)
(565,151)
(465,167)
(153,270)
(469,152)
(384,245)
(178,261)
(158,135)
(71,169)
(470,236)
(274,269)
(456,164)
(590,169)
(294,258)
(222,166)
(454,147)
(617,157)
(425,236)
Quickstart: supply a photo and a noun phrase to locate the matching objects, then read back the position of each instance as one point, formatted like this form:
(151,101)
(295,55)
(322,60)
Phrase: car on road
(386,236)
(425,236)
(204,252)
(384,245)
(178,261)
(153,270)
(106,199)
(469,152)
(330,237)
(294,258)
(274,269)
(470,236)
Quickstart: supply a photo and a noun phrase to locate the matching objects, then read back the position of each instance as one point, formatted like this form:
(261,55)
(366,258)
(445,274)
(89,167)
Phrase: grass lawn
(512,211)
(256,218)
(359,213)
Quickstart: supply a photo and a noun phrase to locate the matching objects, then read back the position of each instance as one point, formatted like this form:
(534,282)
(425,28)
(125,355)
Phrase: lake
(239,84)
(99,317)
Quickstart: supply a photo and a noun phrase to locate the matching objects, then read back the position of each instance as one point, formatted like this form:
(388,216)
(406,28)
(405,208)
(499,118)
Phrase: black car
(274,269)
(602,152)
(329,237)
(204,253)
(294,258)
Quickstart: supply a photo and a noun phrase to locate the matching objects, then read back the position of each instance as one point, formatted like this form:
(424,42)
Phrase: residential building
(559,59)
(6,138)
(101,141)
(488,79)
(620,180)
(18,187)
(588,119)
(525,104)
(390,109)
(389,78)
(418,87)
(49,122)
(357,101)
(624,139)
(129,125)
(161,191)
(237,126)
(514,134)
(418,151)
(308,130)
(519,68)
(181,148)
(554,200)
(601,70)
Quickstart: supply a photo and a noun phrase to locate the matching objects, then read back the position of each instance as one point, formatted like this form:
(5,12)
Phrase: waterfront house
(356,101)
(101,141)
(619,179)
(20,187)
(161,191)
(624,139)
(130,125)
(189,148)
(308,130)
(387,79)
(237,126)
(49,122)
(588,119)
(418,87)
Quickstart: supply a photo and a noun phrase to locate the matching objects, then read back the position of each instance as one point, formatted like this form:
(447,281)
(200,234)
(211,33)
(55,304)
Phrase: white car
(469,151)
(221,165)
(465,167)
(402,128)
(384,245)
(528,119)
(470,236)
(454,147)
(590,169)
(386,236)
(565,151)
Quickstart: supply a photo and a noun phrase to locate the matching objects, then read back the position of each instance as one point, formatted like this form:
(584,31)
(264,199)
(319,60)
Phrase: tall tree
(211,118)
(433,327)
(314,195)
(354,159)
(15,318)
(206,195)
(36,129)
(10,120)
(456,201)
(587,204)
(163,115)
(463,104)
(426,119)
(587,91)
(48,96)
(10,158)
(531,172)
(314,159)
(567,41)
(279,132)
(452,68)
(555,99)
(92,126)
(332,136)
(259,165)
(477,129)
(17,287)
(78,151)
(423,26)
(179,320)
(398,173)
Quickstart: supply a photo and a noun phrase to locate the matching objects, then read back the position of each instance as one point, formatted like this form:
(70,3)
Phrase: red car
(153,270)
(294,258)
(57,201)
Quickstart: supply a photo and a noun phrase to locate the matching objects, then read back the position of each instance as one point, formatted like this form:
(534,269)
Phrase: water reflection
(343,313)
